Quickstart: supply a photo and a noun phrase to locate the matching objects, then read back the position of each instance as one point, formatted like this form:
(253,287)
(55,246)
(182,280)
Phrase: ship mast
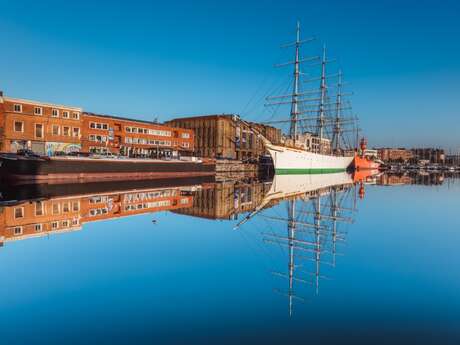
(338,106)
(322,100)
(295,91)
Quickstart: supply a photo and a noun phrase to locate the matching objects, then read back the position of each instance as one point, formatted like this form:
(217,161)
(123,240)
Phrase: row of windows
(98,150)
(98,211)
(65,130)
(148,195)
(19,127)
(19,230)
(98,138)
(145,205)
(56,208)
(158,132)
(54,112)
(97,199)
(97,125)
(143,141)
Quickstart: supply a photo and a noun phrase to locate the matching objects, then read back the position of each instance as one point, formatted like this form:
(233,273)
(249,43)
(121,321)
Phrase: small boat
(363,162)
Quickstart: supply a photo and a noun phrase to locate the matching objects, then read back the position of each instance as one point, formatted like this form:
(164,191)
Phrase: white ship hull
(290,161)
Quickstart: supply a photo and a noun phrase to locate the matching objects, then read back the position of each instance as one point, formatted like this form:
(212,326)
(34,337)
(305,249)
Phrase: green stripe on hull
(294,171)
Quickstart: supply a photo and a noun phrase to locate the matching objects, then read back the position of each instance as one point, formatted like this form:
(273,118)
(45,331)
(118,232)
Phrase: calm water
(381,269)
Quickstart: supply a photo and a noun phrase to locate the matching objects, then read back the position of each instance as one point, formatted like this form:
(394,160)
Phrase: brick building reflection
(412,178)
(69,213)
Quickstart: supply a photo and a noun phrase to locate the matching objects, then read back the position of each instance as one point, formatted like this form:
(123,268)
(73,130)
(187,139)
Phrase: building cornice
(43,104)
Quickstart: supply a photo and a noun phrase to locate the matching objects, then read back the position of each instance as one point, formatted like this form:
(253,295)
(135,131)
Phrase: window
(185,135)
(17,108)
(75,115)
(66,131)
(55,113)
(56,209)
(65,223)
(56,130)
(65,114)
(18,126)
(65,207)
(19,212)
(54,225)
(39,208)
(128,129)
(75,206)
(76,132)
(18,230)
(38,227)
(38,130)
(38,110)
(75,221)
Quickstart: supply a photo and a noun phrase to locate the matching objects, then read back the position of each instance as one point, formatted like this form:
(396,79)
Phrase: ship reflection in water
(305,217)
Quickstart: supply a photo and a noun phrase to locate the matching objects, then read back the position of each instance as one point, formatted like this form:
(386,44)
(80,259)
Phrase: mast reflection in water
(315,205)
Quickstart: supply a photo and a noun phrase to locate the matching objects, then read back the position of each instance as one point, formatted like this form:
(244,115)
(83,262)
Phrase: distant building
(224,136)
(453,160)
(432,155)
(310,142)
(395,154)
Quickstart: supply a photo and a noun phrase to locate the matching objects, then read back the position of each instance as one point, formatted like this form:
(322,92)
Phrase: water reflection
(309,224)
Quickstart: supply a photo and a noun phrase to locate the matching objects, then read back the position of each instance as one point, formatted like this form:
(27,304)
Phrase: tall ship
(315,141)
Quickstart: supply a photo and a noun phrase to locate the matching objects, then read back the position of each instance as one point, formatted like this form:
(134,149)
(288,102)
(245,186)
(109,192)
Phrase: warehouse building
(225,136)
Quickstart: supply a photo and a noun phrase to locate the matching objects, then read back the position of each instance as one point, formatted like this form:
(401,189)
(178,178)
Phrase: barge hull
(18,168)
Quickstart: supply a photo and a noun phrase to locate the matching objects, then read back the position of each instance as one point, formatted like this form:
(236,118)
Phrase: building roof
(124,119)
(194,117)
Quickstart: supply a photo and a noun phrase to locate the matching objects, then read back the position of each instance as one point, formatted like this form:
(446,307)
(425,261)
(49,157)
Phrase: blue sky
(166,59)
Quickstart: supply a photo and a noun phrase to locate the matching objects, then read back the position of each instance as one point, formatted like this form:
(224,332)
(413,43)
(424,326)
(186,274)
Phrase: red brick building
(47,128)
(105,133)
(41,127)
